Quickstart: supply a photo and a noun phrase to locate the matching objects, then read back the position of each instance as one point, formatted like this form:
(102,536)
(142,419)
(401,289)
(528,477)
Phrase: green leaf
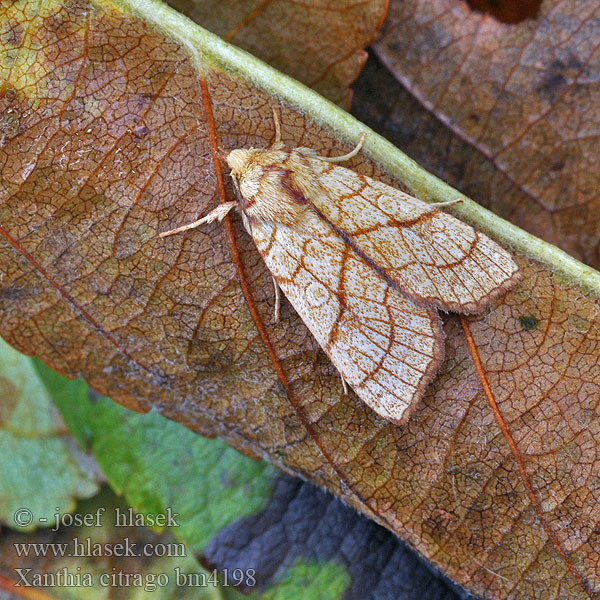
(40,471)
(318,581)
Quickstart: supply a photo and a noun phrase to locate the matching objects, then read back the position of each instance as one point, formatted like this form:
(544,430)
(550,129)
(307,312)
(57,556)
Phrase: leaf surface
(521,107)
(113,134)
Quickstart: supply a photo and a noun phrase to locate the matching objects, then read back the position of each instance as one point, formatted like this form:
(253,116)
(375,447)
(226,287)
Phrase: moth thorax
(267,186)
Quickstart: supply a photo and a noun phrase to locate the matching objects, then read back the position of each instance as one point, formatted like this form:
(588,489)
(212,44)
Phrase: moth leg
(277,301)
(449,203)
(216,214)
(357,149)
(344,384)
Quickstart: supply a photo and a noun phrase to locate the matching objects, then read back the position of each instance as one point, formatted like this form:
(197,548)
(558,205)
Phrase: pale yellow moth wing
(434,258)
(387,348)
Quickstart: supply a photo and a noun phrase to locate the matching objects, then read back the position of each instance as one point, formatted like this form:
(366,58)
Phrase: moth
(366,266)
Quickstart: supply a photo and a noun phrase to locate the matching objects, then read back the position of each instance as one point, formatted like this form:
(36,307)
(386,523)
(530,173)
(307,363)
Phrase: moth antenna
(449,203)
(357,149)
(222,152)
(277,143)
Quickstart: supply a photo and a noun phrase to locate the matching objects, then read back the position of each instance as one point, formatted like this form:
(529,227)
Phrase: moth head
(246,171)
(271,184)
(238,160)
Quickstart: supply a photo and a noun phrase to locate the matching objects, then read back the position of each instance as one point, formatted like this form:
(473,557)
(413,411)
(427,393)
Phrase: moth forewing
(385,346)
(365,266)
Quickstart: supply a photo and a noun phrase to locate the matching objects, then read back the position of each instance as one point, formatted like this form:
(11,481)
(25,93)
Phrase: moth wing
(434,258)
(387,348)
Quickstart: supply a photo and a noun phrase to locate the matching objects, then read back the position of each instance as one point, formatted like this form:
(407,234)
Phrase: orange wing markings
(451,275)
(385,347)
(333,334)
(432,257)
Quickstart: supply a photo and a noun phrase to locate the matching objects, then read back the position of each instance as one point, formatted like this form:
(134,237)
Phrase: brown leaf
(319,42)
(526,100)
(112,137)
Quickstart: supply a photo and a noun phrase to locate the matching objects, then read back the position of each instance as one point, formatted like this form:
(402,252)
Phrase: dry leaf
(110,133)
(319,42)
(526,100)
